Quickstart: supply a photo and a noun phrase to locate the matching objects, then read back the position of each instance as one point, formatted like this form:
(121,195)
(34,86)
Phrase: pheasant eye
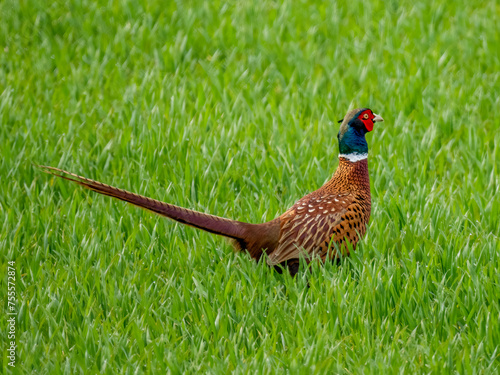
(365,116)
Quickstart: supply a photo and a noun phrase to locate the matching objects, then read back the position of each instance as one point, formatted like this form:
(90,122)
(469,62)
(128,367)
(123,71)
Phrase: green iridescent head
(356,123)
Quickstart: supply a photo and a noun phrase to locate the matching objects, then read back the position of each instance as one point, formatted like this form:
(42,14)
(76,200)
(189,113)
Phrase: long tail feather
(210,223)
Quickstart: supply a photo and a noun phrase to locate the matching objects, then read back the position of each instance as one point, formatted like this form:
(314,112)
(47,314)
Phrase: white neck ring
(354,157)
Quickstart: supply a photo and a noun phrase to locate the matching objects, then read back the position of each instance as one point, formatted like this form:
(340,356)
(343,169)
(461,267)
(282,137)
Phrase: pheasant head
(356,123)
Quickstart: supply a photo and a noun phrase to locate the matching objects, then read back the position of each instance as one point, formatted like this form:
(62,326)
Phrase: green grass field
(231,108)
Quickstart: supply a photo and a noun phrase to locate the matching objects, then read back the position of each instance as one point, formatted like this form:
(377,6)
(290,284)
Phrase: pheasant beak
(377,118)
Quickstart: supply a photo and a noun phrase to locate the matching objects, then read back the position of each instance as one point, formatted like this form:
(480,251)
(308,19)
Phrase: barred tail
(214,224)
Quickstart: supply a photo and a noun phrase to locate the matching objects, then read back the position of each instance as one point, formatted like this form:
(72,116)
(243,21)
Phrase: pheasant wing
(307,228)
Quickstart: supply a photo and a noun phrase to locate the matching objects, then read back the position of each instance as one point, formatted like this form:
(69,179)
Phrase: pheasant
(318,225)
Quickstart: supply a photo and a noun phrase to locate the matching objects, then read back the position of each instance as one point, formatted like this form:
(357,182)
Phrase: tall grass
(230,108)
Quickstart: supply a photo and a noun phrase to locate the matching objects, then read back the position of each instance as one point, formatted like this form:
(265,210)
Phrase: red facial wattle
(367,118)
(368,124)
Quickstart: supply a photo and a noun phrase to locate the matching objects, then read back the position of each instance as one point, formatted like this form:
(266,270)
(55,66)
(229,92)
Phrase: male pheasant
(319,224)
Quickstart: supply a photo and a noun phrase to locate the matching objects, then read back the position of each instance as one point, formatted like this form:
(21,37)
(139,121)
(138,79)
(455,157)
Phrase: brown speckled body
(322,221)
(318,224)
